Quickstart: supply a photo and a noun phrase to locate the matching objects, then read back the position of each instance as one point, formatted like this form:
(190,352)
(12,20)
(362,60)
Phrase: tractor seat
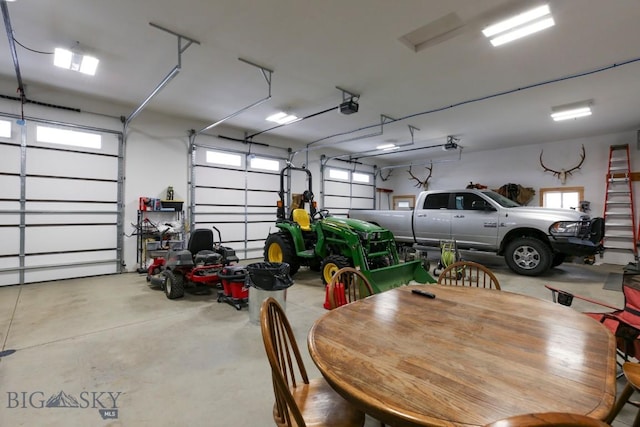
(301,217)
(201,239)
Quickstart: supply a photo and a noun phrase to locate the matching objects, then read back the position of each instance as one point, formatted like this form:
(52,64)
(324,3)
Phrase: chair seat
(632,373)
(622,331)
(321,406)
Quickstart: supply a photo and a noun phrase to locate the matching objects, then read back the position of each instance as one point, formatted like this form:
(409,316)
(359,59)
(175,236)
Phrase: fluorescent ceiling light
(571,114)
(75,61)
(519,26)
(282,118)
(385,146)
(571,111)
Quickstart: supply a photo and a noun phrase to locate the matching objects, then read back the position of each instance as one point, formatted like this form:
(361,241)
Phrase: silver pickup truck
(532,239)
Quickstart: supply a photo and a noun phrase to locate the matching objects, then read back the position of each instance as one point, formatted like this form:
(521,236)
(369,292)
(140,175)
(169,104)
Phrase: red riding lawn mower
(197,267)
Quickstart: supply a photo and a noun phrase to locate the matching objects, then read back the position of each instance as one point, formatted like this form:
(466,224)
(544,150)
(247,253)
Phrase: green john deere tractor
(325,243)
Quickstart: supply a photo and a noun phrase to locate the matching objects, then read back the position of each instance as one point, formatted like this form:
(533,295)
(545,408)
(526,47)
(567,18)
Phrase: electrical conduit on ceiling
(470,101)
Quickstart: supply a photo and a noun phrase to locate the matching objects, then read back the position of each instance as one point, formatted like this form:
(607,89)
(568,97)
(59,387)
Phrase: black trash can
(267,279)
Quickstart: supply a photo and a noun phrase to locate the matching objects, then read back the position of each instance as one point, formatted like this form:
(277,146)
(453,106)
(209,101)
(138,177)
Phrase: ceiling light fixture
(571,111)
(386,147)
(75,61)
(521,25)
(282,118)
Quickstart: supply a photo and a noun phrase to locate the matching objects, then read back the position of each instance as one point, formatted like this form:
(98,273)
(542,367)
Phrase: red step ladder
(619,214)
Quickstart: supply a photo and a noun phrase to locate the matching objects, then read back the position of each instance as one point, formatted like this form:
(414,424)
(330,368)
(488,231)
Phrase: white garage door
(237,193)
(59,215)
(344,189)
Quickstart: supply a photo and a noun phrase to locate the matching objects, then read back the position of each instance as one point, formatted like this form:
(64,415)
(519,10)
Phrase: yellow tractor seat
(302,218)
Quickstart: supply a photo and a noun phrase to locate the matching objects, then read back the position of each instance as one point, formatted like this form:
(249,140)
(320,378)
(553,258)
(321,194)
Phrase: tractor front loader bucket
(393,276)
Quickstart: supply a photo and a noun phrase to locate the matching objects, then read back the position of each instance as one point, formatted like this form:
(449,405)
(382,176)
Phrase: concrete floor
(187,362)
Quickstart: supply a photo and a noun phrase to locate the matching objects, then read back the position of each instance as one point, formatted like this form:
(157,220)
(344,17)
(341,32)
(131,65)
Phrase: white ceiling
(314,46)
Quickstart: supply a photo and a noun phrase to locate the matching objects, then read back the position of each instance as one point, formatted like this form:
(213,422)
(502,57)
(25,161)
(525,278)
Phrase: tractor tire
(528,256)
(279,248)
(173,284)
(331,264)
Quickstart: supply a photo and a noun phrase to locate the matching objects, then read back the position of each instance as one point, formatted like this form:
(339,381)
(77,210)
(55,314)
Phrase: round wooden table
(468,357)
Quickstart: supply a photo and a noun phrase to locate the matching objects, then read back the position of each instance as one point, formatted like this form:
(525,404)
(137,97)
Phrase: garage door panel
(218,210)
(271,218)
(65,218)
(214,177)
(9,219)
(9,277)
(334,187)
(362,204)
(263,181)
(68,164)
(259,230)
(10,158)
(333,202)
(255,252)
(262,198)
(10,238)
(69,238)
(61,189)
(220,196)
(72,206)
(10,186)
(359,190)
(69,272)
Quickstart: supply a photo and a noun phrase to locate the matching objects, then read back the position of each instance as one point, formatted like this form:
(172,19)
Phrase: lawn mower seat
(201,247)
(301,217)
(623,323)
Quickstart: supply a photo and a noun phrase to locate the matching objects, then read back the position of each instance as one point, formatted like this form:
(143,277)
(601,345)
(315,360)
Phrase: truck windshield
(501,200)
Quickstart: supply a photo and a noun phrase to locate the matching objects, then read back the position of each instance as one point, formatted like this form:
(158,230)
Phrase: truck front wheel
(279,248)
(528,256)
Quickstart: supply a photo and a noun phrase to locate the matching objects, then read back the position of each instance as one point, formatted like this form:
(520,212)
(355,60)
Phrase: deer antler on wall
(420,183)
(562,174)
(384,178)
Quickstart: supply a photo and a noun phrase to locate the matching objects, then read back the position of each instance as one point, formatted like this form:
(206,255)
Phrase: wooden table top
(468,357)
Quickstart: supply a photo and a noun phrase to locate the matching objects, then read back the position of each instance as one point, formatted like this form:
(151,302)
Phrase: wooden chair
(631,372)
(558,419)
(347,285)
(299,401)
(468,273)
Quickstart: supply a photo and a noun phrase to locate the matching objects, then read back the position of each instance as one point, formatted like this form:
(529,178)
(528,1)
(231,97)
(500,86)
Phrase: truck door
(432,220)
(474,222)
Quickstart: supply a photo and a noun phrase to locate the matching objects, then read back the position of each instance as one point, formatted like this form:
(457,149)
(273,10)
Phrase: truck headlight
(564,229)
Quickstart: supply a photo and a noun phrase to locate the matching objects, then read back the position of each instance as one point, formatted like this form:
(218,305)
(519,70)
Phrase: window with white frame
(224,159)
(361,177)
(561,197)
(5,129)
(69,137)
(264,164)
(340,174)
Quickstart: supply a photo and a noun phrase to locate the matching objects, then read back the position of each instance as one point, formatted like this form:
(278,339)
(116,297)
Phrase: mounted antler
(384,178)
(562,174)
(424,184)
